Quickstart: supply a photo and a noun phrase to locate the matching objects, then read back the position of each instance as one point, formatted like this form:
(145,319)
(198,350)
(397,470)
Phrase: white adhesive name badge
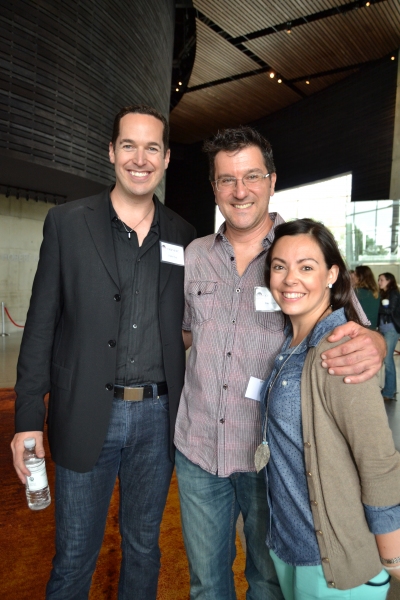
(264,300)
(254,388)
(172,253)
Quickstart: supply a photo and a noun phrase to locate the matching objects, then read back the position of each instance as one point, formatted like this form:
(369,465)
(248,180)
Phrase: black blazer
(73,313)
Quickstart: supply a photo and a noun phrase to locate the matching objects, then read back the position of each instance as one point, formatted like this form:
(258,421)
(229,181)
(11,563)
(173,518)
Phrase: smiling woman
(320,449)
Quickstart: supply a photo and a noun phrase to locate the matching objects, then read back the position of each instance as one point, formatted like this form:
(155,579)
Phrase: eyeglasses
(250,181)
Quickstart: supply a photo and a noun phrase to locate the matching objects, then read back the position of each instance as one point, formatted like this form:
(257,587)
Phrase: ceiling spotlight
(279,80)
(289,27)
(177,89)
(368,4)
(392,58)
(179,82)
(272,74)
(307,82)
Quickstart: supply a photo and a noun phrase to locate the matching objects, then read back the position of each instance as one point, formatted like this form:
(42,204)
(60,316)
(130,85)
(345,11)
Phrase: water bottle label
(37,480)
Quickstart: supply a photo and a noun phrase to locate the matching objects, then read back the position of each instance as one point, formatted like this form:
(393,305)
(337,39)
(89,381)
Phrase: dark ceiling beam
(361,65)
(318,16)
(243,49)
(202,86)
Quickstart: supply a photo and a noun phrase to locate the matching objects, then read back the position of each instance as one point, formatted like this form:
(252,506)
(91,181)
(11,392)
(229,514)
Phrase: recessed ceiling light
(180,82)
(177,89)
(307,82)
(272,74)
(392,58)
(279,80)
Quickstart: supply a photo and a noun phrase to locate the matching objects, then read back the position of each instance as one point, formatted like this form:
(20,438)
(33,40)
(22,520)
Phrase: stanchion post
(3,322)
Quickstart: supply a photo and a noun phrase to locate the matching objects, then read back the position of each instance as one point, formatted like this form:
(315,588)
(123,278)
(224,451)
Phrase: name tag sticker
(254,388)
(264,301)
(172,253)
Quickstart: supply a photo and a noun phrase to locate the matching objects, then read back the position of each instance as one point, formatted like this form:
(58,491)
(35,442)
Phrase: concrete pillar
(395,177)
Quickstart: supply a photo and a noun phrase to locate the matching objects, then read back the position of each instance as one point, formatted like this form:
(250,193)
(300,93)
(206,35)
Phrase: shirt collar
(266,242)
(336,318)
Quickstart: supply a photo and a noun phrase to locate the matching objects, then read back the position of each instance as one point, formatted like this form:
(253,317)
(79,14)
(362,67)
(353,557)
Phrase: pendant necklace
(263,453)
(129,231)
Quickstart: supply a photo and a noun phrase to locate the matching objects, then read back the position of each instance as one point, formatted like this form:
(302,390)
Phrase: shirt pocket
(272,321)
(202,296)
(285,403)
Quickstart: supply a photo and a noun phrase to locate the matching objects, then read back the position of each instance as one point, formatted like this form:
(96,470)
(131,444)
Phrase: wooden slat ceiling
(240,43)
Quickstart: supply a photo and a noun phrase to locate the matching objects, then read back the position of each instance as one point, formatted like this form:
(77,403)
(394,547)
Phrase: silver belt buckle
(133,394)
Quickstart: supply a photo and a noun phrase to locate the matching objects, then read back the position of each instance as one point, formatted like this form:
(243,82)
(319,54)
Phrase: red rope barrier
(12,321)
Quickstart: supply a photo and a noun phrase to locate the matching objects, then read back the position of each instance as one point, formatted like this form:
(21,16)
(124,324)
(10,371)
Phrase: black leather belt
(136,394)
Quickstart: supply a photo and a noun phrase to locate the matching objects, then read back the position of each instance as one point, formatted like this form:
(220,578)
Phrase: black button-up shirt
(139,348)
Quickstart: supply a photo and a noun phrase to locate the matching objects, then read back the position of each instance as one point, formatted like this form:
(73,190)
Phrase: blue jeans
(210,506)
(389,389)
(135,450)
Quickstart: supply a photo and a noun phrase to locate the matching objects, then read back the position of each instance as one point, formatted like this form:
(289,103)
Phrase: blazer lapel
(168,233)
(97,217)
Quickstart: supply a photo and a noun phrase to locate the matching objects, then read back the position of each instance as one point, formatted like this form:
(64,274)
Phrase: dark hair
(366,280)
(341,292)
(140,109)
(231,140)
(392,285)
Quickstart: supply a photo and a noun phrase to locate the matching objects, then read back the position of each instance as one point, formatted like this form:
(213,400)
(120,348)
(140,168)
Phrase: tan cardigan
(350,459)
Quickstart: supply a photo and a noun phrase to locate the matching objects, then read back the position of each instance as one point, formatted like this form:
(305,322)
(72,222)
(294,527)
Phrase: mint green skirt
(309,583)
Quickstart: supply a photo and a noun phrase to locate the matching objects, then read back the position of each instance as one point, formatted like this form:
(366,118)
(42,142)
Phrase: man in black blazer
(103,336)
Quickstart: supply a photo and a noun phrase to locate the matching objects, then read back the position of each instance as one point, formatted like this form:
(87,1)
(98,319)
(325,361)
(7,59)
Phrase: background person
(103,336)
(389,326)
(367,293)
(328,486)
(235,337)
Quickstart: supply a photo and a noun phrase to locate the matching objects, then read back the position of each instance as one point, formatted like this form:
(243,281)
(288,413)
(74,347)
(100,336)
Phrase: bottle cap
(30,443)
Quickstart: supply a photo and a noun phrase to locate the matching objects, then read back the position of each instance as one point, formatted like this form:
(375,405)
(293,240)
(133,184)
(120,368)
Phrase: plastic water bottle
(37,487)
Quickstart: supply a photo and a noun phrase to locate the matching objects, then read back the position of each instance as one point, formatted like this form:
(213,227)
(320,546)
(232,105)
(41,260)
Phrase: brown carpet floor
(27,537)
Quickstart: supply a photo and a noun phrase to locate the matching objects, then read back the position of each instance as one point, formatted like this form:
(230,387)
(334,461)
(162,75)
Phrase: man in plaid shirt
(235,333)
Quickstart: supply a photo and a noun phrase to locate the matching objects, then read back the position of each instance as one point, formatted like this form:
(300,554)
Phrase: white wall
(21,232)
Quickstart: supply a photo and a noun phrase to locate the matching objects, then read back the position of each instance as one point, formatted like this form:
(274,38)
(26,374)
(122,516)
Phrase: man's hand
(17,447)
(360,358)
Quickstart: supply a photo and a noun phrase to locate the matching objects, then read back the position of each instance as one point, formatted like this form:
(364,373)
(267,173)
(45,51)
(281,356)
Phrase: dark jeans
(210,507)
(135,450)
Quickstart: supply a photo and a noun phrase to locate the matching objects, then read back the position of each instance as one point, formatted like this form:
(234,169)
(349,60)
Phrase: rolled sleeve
(382,519)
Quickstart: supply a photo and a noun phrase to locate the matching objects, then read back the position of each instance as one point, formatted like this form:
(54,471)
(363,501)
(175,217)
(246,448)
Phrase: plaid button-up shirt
(217,427)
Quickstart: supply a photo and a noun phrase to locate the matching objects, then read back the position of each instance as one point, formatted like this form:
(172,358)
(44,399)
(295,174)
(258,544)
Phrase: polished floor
(9,349)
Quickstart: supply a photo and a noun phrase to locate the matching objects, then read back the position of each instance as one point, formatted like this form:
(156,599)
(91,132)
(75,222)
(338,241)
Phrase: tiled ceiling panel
(338,41)
(201,113)
(216,58)
(328,41)
(239,17)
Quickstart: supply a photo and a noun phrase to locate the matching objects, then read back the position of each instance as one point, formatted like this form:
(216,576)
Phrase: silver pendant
(261,456)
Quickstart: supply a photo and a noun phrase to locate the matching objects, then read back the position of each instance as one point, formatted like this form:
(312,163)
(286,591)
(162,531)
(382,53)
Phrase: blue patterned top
(290,531)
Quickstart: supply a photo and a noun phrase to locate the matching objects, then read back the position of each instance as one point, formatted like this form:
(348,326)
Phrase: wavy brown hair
(366,280)
(341,291)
